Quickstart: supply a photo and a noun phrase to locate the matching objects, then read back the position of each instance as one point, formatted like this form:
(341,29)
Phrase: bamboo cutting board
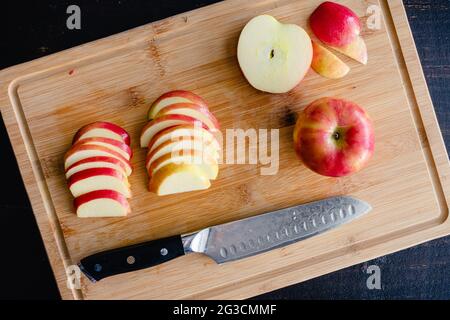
(44,102)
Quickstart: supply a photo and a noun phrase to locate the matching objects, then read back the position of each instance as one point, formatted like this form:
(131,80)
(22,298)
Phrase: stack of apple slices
(182,152)
(96,167)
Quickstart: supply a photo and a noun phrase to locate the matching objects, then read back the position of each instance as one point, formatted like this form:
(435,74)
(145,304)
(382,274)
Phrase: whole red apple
(334,137)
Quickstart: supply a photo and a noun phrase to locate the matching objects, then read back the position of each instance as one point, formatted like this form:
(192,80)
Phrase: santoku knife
(231,241)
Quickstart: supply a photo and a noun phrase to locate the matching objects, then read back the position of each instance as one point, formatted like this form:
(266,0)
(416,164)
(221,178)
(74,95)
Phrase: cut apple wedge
(356,50)
(274,57)
(112,144)
(177,147)
(178,178)
(81,152)
(174,97)
(206,163)
(339,27)
(101,203)
(192,110)
(95,179)
(153,127)
(96,162)
(182,131)
(335,24)
(102,129)
(328,64)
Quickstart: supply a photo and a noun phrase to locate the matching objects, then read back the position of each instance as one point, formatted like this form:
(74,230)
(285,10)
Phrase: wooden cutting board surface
(44,102)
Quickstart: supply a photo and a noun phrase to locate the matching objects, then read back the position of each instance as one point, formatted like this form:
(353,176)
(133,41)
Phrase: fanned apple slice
(101,203)
(176,148)
(192,110)
(102,129)
(335,24)
(81,152)
(174,97)
(98,179)
(356,50)
(113,144)
(153,127)
(207,163)
(178,178)
(96,162)
(328,64)
(180,132)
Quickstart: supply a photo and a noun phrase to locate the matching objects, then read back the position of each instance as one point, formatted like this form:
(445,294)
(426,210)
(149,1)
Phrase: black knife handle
(131,258)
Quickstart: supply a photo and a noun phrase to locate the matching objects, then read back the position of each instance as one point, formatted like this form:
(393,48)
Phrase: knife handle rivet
(164,251)
(131,260)
(97,267)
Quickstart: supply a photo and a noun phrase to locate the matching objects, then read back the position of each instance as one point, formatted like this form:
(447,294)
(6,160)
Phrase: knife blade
(231,241)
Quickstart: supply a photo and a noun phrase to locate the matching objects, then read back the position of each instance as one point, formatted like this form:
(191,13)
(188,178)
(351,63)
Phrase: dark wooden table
(34,29)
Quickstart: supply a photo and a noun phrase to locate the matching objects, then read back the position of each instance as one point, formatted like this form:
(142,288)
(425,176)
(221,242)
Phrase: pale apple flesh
(113,144)
(164,122)
(274,57)
(102,129)
(174,97)
(192,110)
(95,179)
(334,137)
(95,162)
(80,152)
(328,64)
(207,163)
(176,148)
(100,204)
(178,178)
(182,131)
(340,28)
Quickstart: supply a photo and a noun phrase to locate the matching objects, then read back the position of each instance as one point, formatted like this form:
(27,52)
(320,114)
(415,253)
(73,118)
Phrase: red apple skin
(88,173)
(101,194)
(122,146)
(335,24)
(179,93)
(103,125)
(171,117)
(196,107)
(77,148)
(318,146)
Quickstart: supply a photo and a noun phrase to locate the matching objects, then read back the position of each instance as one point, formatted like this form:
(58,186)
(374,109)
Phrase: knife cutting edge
(231,241)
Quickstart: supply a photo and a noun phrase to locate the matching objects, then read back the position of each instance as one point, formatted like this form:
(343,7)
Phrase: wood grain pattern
(45,101)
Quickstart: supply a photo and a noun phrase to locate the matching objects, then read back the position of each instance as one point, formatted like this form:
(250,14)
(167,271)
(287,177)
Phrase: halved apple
(102,129)
(356,50)
(328,64)
(273,56)
(113,144)
(80,152)
(175,148)
(192,110)
(178,178)
(182,131)
(174,97)
(101,203)
(153,127)
(96,162)
(95,179)
(207,163)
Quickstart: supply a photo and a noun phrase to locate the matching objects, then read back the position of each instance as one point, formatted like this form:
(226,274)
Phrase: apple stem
(272,53)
